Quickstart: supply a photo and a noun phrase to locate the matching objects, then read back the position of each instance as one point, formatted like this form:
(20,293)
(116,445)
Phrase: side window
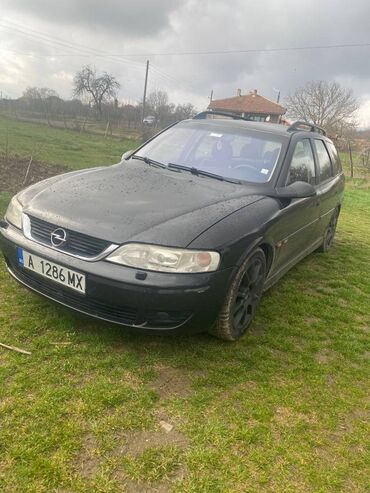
(302,167)
(337,166)
(324,160)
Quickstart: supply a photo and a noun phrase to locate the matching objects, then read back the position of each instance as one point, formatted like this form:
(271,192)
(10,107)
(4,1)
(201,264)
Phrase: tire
(242,299)
(329,233)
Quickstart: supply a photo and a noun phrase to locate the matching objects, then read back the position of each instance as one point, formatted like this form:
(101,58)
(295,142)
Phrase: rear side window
(335,160)
(324,160)
(302,167)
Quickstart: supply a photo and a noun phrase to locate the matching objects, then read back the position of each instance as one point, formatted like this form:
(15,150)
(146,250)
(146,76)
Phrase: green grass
(283,410)
(60,146)
(4,200)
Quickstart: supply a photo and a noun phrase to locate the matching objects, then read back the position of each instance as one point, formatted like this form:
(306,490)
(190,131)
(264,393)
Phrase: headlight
(163,259)
(14,213)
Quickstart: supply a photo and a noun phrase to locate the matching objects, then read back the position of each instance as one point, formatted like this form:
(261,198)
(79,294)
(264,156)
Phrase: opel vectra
(186,232)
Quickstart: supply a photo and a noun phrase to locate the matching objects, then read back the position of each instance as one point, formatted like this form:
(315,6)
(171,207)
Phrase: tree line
(95,98)
(326,104)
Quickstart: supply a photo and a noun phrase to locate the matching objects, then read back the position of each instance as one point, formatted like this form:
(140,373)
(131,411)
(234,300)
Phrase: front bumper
(119,294)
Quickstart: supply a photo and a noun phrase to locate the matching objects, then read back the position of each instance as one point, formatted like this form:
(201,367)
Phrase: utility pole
(211,96)
(278,95)
(144,97)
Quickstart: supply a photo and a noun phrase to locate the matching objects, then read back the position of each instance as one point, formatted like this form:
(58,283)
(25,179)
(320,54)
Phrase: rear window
(337,166)
(324,160)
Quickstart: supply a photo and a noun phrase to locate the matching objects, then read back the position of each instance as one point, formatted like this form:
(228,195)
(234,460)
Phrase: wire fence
(355,157)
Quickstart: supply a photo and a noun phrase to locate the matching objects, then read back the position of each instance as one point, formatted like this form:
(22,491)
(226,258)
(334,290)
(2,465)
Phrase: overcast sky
(44,43)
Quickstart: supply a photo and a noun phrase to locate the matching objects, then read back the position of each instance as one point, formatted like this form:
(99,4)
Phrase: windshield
(239,153)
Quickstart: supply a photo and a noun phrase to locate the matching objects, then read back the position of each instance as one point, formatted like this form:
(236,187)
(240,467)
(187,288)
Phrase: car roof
(266,127)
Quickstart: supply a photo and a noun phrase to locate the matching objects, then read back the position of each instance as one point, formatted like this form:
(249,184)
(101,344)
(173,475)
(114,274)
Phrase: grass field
(284,410)
(59,146)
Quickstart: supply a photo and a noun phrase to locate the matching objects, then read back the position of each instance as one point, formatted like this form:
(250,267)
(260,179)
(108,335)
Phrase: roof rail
(203,115)
(301,123)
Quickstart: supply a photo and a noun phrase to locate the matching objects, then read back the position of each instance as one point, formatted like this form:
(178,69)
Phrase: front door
(296,232)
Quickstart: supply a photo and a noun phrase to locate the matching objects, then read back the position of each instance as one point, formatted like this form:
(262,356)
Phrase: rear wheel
(242,298)
(329,233)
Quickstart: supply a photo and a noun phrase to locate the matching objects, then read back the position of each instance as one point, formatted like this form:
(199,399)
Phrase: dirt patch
(13,171)
(326,289)
(311,292)
(347,427)
(257,330)
(137,442)
(331,380)
(88,459)
(136,487)
(311,320)
(342,302)
(131,380)
(172,382)
(325,356)
(286,417)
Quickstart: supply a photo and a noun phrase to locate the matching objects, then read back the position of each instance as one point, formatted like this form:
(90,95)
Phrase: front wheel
(242,298)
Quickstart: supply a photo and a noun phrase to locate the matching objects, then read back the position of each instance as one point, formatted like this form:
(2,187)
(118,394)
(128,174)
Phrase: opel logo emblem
(58,237)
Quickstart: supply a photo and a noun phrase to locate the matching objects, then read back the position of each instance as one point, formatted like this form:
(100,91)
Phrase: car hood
(135,202)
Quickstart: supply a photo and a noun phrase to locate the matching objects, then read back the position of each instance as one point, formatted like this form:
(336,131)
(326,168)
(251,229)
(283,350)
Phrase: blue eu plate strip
(20,256)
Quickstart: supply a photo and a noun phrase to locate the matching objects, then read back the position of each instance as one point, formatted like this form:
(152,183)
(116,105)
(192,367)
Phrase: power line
(245,51)
(199,53)
(80,51)
(70,45)
(52,40)
(172,79)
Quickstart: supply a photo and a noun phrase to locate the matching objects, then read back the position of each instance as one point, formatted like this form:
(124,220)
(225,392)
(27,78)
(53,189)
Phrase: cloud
(112,31)
(138,18)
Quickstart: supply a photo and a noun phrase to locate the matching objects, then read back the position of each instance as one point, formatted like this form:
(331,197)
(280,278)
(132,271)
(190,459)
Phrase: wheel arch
(265,246)
(268,250)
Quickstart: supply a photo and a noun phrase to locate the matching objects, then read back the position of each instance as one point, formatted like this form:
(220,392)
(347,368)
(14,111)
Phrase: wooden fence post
(350,157)
(106,129)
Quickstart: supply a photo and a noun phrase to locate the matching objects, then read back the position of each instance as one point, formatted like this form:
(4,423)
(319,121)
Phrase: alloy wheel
(248,294)
(330,232)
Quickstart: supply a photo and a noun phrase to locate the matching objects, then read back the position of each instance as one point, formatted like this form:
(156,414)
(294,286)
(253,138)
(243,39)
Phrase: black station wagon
(186,232)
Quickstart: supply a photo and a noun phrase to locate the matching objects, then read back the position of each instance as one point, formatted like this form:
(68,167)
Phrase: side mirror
(126,154)
(296,190)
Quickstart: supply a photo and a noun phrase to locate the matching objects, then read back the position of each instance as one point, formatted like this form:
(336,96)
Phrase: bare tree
(158,103)
(326,104)
(184,111)
(100,88)
(38,93)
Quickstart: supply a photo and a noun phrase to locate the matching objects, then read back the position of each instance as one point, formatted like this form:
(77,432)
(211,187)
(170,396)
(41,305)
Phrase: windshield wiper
(180,167)
(200,172)
(149,161)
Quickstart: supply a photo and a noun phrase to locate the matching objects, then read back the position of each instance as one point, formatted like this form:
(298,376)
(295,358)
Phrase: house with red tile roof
(252,105)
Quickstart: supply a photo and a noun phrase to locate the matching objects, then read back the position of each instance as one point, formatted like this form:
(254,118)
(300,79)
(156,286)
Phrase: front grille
(76,244)
(108,311)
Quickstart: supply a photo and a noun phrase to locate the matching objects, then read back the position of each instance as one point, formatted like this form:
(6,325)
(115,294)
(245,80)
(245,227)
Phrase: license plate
(54,272)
